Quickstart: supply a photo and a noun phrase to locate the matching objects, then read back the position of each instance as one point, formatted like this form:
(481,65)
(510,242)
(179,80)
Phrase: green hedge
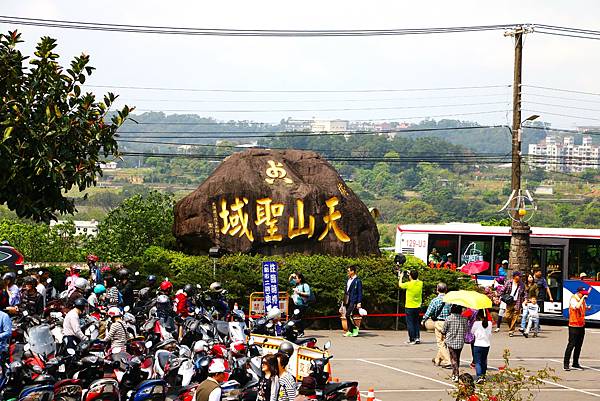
(241,275)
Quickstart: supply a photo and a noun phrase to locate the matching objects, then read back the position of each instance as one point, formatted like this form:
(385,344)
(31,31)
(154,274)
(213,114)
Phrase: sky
(347,63)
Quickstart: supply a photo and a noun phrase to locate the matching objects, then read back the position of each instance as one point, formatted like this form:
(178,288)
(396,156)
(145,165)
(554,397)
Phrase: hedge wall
(241,275)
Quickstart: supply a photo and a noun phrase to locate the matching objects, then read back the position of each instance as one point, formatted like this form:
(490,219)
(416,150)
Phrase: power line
(560,105)
(561,90)
(562,98)
(286,134)
(170,30)
(321,100)
(561,115)
(324,109)
(217,90)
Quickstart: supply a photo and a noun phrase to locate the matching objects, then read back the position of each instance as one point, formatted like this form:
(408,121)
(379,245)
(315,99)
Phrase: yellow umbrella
(469,299)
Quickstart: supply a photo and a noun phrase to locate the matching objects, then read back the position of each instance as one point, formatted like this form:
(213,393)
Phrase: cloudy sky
(407,62)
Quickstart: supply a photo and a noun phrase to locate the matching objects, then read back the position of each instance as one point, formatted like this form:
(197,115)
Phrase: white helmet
(274,313)
(200,346)
(81,283)
(114,312)
(216,366)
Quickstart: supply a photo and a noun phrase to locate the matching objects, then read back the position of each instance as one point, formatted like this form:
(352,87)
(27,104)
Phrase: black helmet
(286,348)
(152,278)
(80,303)
(9,276)
(123,273)
(30,280)
(189,289)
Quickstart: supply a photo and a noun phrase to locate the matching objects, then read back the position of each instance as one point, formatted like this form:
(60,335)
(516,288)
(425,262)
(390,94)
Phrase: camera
(399,260)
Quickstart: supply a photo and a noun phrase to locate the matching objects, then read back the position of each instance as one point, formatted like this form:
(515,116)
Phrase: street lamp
(520,252)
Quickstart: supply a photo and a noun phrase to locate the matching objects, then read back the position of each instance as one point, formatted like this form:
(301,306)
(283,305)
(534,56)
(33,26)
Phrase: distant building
(108,165)
(552,154)
(329,125)
(82,227)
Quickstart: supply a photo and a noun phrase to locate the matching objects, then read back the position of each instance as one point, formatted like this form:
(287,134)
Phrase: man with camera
(414,299)
(577,309)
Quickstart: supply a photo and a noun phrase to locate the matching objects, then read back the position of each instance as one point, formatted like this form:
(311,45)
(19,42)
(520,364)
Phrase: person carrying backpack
(301,297)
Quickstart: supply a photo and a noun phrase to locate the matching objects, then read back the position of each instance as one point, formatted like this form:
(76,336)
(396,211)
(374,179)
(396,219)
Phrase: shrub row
(241,275)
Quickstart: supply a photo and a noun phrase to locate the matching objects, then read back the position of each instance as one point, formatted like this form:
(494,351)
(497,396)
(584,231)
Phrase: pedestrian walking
(498,286)
(352,300)
(412,305)
(482,332)
(268,386)
(438,311)
(577,308)
(513,296)
(454,330)
(532,314)
(300,297)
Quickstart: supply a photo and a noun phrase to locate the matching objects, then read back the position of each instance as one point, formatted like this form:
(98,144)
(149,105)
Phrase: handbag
(507,299)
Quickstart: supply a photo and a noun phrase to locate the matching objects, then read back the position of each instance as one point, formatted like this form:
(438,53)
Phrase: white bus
(568,257)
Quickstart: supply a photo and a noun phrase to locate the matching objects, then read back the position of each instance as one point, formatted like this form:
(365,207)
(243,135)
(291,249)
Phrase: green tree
(52,136)
(137,223)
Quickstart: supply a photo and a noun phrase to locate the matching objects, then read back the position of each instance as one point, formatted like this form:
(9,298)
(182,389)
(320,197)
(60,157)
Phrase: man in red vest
(577,308)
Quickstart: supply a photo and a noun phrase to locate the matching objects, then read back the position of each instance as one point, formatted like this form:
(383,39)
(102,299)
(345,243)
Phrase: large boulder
(275,202)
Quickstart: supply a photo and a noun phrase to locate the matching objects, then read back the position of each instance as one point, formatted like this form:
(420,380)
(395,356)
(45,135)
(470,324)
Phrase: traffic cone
(371,394)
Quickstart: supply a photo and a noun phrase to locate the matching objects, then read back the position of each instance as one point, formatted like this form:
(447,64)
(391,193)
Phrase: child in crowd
(533,317)
(454,331)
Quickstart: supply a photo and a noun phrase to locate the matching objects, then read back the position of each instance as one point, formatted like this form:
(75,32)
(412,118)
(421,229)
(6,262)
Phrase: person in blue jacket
(5,334)
(352,300)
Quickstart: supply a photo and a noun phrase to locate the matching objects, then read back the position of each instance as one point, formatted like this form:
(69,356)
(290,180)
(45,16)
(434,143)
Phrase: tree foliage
(52,136)
(136,224)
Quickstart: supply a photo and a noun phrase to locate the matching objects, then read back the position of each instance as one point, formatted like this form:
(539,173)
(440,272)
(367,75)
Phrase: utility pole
(520,250)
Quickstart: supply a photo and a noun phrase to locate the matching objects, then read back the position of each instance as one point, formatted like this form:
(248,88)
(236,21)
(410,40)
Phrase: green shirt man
(414,299)
(414,293)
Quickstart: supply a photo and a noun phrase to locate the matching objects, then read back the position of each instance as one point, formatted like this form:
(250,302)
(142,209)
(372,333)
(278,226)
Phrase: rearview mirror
(327,345)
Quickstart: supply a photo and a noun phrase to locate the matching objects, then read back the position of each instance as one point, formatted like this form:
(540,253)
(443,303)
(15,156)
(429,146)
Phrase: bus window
(444,244)
(584,258)
(474,248)
(501,252)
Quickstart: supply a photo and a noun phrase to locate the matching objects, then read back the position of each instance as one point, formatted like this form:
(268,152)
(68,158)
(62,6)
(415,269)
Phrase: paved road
(397,371)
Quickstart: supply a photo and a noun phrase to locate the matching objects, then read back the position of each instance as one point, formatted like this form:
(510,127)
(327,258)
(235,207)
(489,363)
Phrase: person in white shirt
(482,330)
(532,311)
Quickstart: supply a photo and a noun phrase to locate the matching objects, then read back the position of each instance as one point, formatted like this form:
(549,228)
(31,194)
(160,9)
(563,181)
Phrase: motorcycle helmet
(80,303)
(200,346)
(81,283)
(189,289)
(286,348)
(151,279)
(217,366)
(162,299)
(274,313)
(218,351)
(216,287)
(123,273)
(99,289)
(237,348)
(166,285)
(9,276)
(92,258)
(114,312)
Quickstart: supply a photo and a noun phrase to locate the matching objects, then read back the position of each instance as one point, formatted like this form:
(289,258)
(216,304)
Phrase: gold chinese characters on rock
(235,220)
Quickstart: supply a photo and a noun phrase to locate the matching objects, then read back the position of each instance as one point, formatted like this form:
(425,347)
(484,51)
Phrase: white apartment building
(554,155)
(329,125)
(82,227)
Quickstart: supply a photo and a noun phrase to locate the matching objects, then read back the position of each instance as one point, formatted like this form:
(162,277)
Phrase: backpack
(311,297)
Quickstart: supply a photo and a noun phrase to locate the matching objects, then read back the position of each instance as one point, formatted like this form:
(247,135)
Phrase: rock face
(275,202)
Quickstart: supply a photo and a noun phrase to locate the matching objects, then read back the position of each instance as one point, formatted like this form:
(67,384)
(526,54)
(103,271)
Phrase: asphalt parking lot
(397,371)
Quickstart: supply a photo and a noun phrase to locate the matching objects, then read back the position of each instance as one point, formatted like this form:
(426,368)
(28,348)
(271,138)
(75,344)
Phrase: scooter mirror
(327,345)
(296,311)
(148,344)
(70,351)
(127,308)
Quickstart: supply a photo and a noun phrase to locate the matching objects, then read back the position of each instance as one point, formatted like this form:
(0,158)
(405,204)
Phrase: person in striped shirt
(117,334)
(287,383)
